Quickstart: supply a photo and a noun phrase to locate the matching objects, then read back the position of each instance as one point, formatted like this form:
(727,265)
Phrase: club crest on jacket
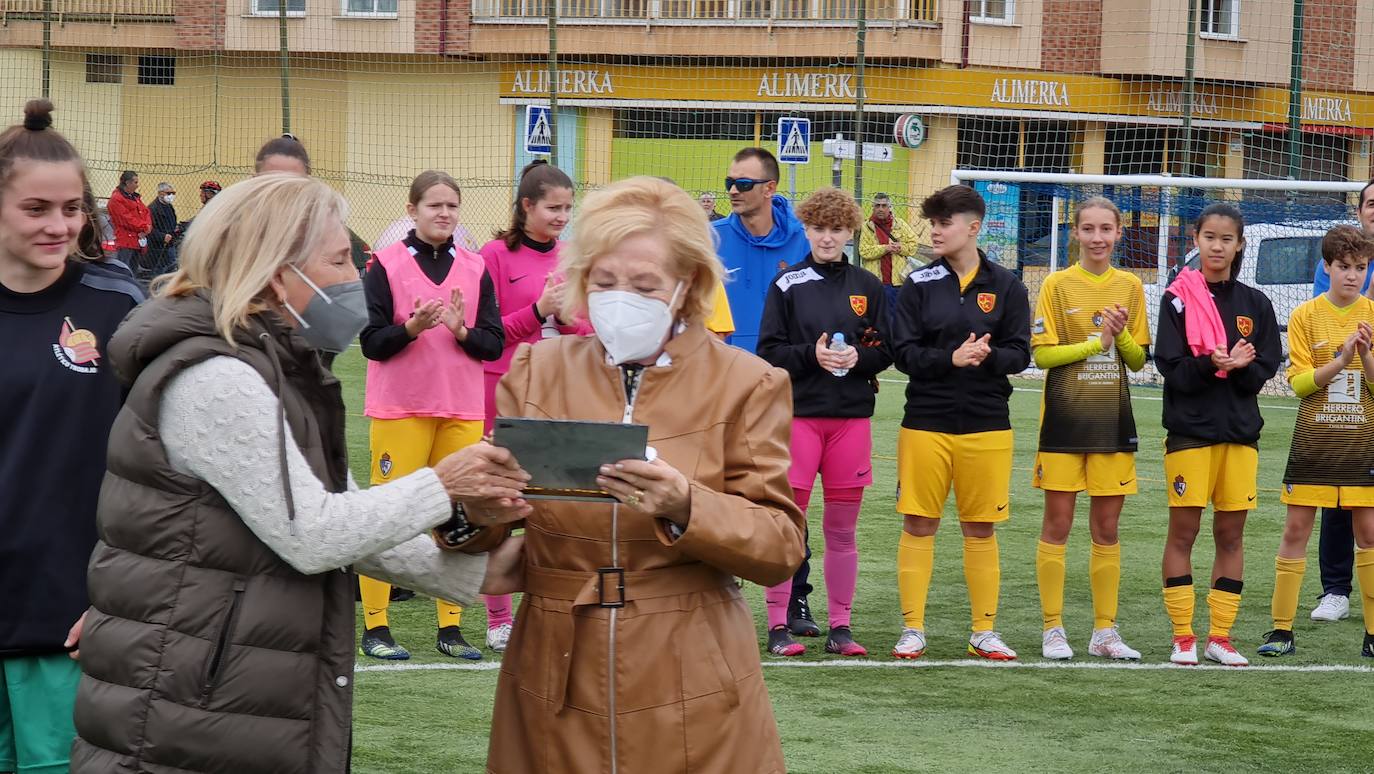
(384,464)
(1245,325)
(859,304)
(987,302)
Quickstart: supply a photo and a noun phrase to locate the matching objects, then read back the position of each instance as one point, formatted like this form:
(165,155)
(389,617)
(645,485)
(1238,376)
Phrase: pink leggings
(841,557)
(498,607)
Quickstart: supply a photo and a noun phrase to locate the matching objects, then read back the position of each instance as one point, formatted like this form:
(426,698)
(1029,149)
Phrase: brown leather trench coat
(670,682)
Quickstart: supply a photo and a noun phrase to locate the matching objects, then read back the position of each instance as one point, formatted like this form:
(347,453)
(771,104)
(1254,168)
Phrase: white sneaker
(1331,607)
(498,637)
(1220,650)
(1056,645)
(1185,650)
(1107,643)
(989,645)
(912,644)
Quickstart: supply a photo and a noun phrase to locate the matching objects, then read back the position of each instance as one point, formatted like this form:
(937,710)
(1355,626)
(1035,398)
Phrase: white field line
(489,666)
(1133,396)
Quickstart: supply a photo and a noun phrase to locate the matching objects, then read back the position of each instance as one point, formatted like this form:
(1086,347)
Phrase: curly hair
(1346,242)
(830,208)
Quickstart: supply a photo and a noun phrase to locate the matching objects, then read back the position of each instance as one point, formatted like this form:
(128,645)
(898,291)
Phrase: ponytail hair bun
(38,115)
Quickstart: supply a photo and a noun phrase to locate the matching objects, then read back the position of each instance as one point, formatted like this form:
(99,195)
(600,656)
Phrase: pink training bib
(432,376)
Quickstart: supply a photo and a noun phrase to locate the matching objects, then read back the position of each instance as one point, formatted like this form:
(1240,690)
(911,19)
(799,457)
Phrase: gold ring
(635,499)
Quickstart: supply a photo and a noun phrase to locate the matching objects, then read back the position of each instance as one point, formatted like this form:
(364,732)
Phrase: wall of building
(368,132)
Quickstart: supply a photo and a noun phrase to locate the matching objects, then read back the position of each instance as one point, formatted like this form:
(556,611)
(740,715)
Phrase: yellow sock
(1178,602)
(983,574)
(448,613)
(1104,573)
(1049,573)
(1223,605)
(1364,570)
(376,598)
(915,559)
(1287,584)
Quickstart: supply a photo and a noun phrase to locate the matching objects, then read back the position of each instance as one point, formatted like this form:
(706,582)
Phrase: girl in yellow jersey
(1331,461)
(1090,326)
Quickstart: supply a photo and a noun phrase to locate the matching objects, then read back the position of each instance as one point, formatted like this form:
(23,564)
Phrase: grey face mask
(334,317)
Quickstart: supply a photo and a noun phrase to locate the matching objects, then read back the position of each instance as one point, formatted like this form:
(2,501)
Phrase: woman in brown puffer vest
(220,637)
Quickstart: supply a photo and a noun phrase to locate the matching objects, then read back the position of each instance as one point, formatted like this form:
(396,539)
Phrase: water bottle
(837,345)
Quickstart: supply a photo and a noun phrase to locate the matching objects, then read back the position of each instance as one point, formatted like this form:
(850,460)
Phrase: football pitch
(1309,711)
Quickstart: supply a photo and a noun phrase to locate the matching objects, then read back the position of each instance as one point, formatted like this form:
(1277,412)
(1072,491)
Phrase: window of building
(366,7)
(273,7)
(992,11)
(1221,18)
(1320,157)
(104,68)
(988,143)
(685,124)
(157,70)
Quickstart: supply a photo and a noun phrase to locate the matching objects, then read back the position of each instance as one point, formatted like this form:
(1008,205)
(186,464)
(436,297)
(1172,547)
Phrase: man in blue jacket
(759,237)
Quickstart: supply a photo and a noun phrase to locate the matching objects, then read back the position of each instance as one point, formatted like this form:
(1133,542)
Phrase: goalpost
(1027,229)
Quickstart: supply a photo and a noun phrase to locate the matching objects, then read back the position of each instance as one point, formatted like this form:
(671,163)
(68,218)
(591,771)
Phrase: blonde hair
(645,205)
(247,234)
(1098,202)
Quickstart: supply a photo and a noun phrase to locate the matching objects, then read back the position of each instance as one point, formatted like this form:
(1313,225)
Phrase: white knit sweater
(219,425)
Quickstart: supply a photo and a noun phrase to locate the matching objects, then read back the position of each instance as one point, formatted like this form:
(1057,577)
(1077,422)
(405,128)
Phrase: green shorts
(37,695)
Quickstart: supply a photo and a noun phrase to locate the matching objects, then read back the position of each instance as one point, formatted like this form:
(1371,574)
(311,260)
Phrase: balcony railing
(88,10)
(779,10)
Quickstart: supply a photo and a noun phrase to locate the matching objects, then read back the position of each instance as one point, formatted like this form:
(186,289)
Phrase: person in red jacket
(132,221)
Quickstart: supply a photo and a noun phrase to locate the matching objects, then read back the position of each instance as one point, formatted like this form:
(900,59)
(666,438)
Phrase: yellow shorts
(1222,473)
(1320,496)
(978,465)
(1102,475)
(402,446)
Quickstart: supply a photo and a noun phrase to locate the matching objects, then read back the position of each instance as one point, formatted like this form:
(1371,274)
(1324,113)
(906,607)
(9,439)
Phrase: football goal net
(1028,229)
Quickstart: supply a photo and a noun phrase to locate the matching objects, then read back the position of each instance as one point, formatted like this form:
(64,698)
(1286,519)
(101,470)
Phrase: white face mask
(169,197)
(630,326)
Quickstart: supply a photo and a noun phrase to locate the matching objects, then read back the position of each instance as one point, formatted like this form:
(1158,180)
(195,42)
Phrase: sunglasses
(744,184)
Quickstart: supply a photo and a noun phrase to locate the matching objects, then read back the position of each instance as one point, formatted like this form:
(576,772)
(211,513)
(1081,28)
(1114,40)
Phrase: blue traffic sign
(538,130)
(794,140)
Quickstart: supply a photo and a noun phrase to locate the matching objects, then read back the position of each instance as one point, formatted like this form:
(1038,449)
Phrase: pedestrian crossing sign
(794,140)
(538,132)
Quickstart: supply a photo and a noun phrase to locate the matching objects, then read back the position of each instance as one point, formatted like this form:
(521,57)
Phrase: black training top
(1201,409)
(808,299)
(58,399)
(934,318)
(382,338)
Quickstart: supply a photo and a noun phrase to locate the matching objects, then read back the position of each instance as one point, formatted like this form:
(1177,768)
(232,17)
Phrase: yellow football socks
(376,598)
(1104,572)
(448,613)
(1049,573)
(915,560)
(1223,604)
(1179,599)
(1364,570)
(983,574)
(1287,584)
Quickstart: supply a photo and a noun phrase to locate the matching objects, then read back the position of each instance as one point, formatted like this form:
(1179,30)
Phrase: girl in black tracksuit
(1212,416)
(809,304)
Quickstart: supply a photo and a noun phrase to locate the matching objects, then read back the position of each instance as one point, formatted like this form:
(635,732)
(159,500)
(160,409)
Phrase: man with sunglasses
(759,237)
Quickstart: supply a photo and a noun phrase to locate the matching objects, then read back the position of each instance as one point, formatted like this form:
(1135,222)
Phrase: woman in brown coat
(662,676)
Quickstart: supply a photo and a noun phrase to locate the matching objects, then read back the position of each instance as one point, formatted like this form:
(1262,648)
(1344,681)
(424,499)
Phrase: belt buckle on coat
(619,586)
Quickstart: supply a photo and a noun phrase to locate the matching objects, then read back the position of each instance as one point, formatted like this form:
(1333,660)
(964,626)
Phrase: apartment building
(383,88)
